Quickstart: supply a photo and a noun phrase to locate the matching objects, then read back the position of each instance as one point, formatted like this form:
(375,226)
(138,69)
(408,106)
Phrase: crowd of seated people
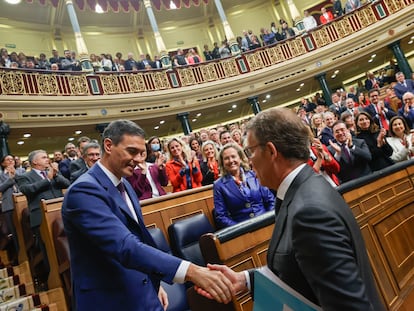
(246,42)
(347,140)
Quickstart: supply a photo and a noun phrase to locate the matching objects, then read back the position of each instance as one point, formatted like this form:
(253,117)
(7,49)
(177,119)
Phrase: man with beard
(64,165)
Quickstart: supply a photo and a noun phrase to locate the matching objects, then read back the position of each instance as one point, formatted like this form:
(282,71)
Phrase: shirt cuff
(179,276)
(247,275)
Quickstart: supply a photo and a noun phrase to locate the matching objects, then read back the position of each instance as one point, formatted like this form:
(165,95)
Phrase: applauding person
(209,166)
(148,178)
(183,170)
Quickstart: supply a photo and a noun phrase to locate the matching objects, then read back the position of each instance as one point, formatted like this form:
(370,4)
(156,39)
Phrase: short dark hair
(284,129)
(372,91)
(406,128)
(117,129)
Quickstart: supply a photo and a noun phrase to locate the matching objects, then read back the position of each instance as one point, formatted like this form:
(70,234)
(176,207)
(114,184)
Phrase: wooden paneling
(20,203)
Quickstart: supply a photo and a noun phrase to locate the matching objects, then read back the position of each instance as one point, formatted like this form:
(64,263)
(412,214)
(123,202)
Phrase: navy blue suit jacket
(373,112)
(400,89)
(114,262)
(232,207)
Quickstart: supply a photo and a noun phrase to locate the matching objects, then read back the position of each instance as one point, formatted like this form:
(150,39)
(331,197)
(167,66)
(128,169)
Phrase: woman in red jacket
(183,169)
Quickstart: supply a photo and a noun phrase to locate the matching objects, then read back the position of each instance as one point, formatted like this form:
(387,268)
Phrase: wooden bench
(20,203)
(159,212)
(163,211)
(383,205)
(51,210)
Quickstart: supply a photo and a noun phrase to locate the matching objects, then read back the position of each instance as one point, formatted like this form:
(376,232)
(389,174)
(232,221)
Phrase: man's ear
(107,145)
(272,149)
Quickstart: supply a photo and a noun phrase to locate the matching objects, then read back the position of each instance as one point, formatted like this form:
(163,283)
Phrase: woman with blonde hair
(236,135)
(238,194)
(209,166)
(317,125)
(183,169)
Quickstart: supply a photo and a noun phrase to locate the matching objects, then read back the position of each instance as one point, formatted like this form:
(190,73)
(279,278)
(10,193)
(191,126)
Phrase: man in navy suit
(317,247)
(403,85)
(114,262)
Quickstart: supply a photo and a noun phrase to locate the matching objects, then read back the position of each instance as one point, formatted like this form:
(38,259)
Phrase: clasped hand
(237,281)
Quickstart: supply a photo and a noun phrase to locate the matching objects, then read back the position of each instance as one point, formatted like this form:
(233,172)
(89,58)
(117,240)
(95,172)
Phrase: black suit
(77,167)
(35,188)
(359,166)
(317,247)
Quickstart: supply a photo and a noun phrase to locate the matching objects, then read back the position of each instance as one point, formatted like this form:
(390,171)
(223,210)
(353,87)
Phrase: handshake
(217,282)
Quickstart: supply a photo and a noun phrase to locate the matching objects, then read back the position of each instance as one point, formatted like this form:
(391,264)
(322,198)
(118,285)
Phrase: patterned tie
(345,152)
(121,189)
(44,174)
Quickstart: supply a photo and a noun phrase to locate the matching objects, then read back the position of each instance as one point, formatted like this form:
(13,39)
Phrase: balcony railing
(29,83)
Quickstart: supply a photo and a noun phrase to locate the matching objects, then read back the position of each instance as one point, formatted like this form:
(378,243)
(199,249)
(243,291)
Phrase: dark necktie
(44,174)
(345,152)
(121,189)
(278,205)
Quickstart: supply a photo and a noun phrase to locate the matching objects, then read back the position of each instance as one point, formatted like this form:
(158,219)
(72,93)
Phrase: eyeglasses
(408,99)
(249,151)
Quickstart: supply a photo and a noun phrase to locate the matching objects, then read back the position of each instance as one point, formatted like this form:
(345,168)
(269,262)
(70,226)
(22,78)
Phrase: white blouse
(400,151)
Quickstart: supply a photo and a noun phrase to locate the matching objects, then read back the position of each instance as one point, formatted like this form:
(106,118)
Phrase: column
(294,12)
(325,88)
(401,59)
(231,39)
(254,102)
(164,57)
(185,124)
(4,133)
(80,43)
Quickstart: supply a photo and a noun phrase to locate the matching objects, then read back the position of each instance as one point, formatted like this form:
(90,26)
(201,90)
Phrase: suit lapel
(230,184)
(113,192)
(281,219)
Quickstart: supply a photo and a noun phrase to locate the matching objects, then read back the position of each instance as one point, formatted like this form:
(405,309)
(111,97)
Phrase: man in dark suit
(91,153)
(352,154)
(43,181)
(316,247)
(114,262)
(380,111)
(403,85)
(64,165)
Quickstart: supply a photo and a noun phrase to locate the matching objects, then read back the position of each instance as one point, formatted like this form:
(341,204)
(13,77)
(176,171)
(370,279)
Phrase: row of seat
(379,203)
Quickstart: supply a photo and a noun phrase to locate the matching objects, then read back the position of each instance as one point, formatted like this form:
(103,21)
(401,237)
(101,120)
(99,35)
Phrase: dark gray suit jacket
(77,167)
(35,188)
(317,247)
(6,189)
(361,158)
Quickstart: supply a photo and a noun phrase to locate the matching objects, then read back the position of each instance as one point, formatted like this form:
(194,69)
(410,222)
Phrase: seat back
(184,237)
(177,295)
(63,255)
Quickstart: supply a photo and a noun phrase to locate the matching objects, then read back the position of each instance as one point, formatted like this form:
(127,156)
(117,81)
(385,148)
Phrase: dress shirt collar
(285,184)
(38,172)
(108,173)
